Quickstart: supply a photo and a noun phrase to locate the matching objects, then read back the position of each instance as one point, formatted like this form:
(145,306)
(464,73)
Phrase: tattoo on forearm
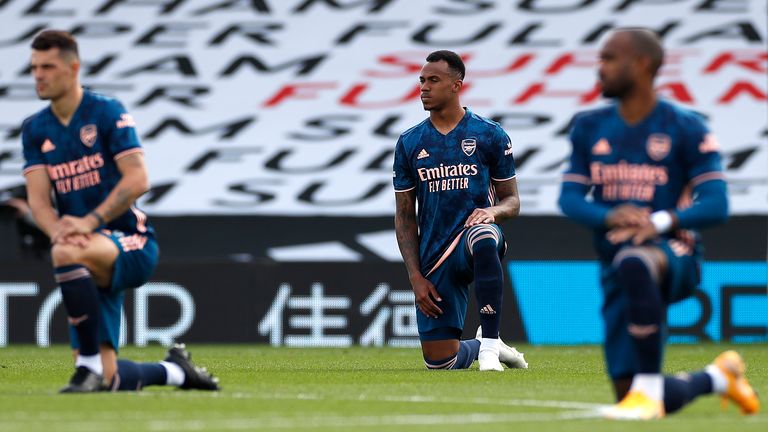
(121,201)
(406,229)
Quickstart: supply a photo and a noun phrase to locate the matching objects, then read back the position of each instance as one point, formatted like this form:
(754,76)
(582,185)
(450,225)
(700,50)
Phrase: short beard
(433,106)
(618,90)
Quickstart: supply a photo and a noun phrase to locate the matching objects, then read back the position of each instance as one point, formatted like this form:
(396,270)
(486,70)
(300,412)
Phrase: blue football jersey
(655,163)
(80,158)
(452,176)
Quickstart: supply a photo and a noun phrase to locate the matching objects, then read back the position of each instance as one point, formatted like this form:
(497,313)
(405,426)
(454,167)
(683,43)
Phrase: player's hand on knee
(621,234)
(426,296)
(70,225)
(480,216)
(638,234)
(644,233)
(627,215)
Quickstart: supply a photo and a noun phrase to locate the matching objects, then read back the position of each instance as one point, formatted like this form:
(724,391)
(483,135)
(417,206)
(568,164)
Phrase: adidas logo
(601,147)
(488,310)
(47,146)
(422,154)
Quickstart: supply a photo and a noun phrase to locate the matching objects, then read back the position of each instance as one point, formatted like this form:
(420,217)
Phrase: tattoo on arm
(406,229)
(122,200)
(130,187)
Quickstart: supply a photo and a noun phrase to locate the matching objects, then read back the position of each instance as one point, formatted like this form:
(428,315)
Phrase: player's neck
(445,120)
(637,107)
(64,107)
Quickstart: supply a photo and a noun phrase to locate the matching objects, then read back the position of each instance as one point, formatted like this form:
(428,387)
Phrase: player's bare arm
(132,185)
(507,208)
(39,197)
(406,229)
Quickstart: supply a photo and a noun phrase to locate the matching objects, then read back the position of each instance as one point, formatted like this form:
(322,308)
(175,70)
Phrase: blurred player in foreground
(459,167)
(84,147)
(654,173)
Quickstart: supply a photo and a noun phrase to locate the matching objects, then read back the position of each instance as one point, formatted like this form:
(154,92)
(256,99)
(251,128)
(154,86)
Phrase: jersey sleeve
(122,139)
(577,184)
(503,167)
(701,153)
(402,172)
(578,166)
(704,173)
(33,155)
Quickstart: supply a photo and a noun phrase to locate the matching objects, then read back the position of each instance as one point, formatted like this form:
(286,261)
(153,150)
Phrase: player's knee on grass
(467,353)
(435,349)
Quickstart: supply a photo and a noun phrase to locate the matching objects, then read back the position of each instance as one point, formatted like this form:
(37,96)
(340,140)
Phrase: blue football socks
(489,285)
(135,376)
(468,350)
(682,390)
(81,298)
(645,311)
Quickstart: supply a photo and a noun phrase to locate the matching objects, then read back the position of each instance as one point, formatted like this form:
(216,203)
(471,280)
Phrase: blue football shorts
(136,261)
(452,279)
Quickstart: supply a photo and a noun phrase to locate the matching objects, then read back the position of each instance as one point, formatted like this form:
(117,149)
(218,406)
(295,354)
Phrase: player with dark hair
(459,167)
(654,174)
(84,148)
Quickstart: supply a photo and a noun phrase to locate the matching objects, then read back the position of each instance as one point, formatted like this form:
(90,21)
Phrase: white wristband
(662,220)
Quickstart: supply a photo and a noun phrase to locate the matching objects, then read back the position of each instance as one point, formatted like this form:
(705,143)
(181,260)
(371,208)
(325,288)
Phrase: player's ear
(457,85)
(75,65)
(643,63)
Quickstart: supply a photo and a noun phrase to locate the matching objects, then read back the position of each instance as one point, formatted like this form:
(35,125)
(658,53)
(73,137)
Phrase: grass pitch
(357,389)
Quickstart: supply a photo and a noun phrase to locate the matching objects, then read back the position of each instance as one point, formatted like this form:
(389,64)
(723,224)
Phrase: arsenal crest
(658,146)
(468,146)
(88,135)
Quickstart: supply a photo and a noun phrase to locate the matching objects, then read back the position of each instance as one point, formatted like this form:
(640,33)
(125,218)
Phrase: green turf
(358,389)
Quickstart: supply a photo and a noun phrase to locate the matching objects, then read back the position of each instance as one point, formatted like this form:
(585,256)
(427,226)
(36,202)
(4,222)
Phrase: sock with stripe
(133,376)
(81,298)
(683,389)
(645,312)
(468,350)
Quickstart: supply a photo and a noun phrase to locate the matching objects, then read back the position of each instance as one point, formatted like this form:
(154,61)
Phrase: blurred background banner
(339,305)
(290,109)
(269,128)
(293,107)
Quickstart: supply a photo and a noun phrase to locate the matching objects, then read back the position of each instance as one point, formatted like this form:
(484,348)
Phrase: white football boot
(504,353)
(488,357)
